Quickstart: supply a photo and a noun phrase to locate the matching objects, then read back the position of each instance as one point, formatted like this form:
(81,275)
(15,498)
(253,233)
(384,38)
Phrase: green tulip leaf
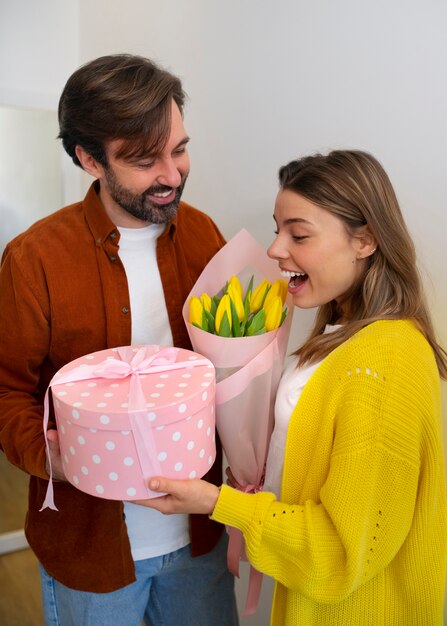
(204,321)
(234,316)
(248,292)
(225,328)
(265,294)
(214,304)
(260,332)
(210,321)
(256,324)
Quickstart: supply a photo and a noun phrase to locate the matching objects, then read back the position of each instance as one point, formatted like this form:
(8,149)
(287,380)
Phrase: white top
(290,388)
(137,251)
(150,532)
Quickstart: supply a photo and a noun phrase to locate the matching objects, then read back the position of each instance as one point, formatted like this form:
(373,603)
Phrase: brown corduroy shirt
(63,294)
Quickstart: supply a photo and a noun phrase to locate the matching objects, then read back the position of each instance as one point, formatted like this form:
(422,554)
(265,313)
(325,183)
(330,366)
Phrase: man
(112,270)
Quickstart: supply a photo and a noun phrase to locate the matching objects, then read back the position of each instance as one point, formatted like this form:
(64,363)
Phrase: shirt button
(125,309)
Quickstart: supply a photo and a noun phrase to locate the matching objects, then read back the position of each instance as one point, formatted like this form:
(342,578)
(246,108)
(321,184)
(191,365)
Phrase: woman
(356,533)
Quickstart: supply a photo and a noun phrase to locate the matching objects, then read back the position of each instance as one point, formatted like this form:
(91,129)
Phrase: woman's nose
(276,251)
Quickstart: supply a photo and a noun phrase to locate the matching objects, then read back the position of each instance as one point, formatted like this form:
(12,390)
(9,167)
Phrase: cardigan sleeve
(309,548)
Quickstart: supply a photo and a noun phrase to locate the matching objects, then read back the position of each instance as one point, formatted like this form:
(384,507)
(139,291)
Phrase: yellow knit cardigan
(359,537)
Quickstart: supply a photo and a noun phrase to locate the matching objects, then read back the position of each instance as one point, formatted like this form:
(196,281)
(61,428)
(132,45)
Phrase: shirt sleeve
(24,341)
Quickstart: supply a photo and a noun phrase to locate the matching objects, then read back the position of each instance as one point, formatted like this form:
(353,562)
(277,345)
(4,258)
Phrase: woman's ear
(366,243)
(89,163)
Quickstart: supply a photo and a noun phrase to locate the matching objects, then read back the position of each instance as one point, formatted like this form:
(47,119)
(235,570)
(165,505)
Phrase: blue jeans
(170,590)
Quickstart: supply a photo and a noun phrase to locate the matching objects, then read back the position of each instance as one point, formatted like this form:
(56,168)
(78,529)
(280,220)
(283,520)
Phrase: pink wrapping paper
(126,414)
(248,370)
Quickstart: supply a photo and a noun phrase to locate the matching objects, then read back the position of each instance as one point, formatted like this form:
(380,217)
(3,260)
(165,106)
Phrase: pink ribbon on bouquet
(131,364)
(236,552)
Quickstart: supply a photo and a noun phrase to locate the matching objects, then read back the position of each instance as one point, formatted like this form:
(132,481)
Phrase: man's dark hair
(118,96)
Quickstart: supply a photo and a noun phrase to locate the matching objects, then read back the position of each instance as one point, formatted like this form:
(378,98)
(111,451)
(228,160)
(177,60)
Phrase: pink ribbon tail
(49,496)
(235,549)
(254,591)
(142,432)
(236,552)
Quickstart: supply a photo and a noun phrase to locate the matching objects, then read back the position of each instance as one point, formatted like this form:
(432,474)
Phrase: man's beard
(140,205)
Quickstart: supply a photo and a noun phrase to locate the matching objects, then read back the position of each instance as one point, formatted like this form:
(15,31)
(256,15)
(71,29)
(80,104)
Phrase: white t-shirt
(150,532)
(290,388)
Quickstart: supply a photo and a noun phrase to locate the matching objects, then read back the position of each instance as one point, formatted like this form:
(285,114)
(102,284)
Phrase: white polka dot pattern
(105,456)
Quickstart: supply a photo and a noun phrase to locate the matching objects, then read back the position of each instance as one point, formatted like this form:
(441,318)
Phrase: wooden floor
(20,600)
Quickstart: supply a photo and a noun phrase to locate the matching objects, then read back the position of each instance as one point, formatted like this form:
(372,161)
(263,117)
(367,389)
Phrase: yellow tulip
(206,302)
(195,311)
(224,306)
(273,313)
(278,288)
(258,295)
(235,284)
(283,289)
(236,298)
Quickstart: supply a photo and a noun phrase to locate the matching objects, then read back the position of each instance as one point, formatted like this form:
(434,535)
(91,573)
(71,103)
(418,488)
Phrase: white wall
(28,145)
(39,49)
(268,81)
(39,44)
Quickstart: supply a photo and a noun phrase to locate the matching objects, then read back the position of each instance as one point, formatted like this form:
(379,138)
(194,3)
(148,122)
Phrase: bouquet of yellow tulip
(249,364)
(234,314)
(244,333)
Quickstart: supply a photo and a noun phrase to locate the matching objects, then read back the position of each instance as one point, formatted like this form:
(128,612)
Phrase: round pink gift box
(126,414)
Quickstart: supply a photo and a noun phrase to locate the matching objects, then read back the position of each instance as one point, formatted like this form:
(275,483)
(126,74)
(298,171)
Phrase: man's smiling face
(149,189)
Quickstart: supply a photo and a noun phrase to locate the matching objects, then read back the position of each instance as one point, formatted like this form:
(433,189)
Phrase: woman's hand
(181,496)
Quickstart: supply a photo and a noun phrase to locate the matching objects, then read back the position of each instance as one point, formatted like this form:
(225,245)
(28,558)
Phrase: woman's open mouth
(295,279)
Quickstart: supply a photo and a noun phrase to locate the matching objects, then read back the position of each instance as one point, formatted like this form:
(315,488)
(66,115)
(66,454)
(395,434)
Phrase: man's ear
(366,243)
(89,163)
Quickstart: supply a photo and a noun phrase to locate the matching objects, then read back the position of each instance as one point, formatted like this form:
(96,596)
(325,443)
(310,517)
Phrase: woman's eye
(299,238)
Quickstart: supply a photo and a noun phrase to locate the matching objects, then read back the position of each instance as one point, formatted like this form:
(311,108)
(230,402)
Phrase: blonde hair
(353,185)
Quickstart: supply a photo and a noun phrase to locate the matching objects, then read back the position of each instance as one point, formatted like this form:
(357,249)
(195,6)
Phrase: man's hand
(182,496)
(55,454)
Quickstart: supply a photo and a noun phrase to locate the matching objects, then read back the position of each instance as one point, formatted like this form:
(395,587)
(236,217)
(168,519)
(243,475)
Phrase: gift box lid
(166,384)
